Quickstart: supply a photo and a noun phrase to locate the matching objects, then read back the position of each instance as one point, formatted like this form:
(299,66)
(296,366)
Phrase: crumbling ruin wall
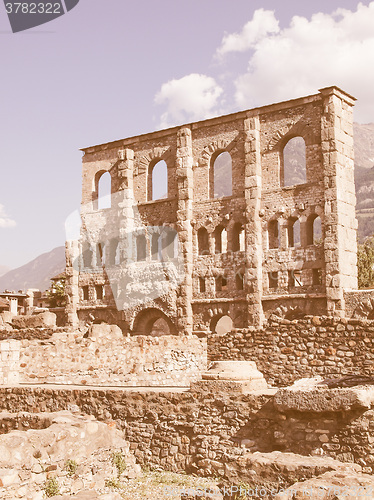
(287,350)
(260,263)
(109,360)
(206,432)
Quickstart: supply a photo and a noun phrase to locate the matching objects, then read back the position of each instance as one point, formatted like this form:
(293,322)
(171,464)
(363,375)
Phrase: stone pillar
(340,224)
(253,230)
(184,163)
(126,220)
(126,203)
(71,285)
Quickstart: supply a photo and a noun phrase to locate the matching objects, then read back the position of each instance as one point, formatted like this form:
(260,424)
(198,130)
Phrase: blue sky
(110,69)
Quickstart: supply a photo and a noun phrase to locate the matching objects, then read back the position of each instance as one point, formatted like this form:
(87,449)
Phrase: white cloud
(328,49)
(282,63)
(193,97)
(5,221)
(262,24)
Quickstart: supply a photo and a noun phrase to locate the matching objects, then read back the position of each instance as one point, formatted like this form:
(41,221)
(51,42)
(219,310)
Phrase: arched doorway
(153,322)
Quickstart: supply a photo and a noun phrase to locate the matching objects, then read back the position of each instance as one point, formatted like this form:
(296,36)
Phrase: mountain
(3,270)
(364,178)
(35,274)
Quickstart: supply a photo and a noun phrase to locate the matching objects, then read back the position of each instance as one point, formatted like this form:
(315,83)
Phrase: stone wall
(203,432)
(70,358)
(286,350)
(9,362)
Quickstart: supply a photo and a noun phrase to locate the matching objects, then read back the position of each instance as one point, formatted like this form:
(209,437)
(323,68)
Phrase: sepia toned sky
(110,69)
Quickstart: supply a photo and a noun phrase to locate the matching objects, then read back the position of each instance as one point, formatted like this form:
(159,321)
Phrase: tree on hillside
(365,263)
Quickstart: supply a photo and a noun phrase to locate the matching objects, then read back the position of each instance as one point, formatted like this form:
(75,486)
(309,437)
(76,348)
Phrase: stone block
(309,395)
(43,320)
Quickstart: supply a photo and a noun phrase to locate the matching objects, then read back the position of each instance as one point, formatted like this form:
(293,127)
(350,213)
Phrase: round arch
(153,322)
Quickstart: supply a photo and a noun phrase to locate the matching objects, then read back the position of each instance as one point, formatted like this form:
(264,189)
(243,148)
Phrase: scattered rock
(337,484)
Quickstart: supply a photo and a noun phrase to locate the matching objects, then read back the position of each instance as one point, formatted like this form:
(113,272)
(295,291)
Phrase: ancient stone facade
(195,256)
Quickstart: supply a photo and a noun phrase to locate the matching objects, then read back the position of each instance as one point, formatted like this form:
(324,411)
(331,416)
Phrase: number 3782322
(33,8)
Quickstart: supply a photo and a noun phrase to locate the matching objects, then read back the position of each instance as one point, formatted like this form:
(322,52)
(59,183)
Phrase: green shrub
(51,487)
(113,483)
(71,467)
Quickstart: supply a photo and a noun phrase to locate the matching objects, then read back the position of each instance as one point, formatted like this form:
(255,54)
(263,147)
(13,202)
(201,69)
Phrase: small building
(16,301)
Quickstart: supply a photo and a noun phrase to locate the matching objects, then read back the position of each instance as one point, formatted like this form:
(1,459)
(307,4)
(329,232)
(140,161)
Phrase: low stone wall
(114,360)
(285,351)
(9,362)
(205,432)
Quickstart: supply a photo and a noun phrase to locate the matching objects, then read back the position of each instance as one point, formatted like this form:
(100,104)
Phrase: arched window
(220,240)
(85,292)
(293,232)
(237,242)
(273,234)
(158,181)
(313,230)
(202,287)
(221,283)
(141,247)
(104,191)
(239,280)
(221,176)
(294,163)
(203,241)
(99,291)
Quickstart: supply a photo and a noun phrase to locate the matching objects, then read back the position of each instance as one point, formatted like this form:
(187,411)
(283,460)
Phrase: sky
(111,69)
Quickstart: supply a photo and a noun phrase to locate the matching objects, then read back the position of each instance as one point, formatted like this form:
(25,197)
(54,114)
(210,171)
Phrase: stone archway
(153,322)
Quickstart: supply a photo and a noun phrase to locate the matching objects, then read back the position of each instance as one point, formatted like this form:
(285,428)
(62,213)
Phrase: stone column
(126,203)
(127,219)
(71,285)
(184,163)
(340,224)
(253,230)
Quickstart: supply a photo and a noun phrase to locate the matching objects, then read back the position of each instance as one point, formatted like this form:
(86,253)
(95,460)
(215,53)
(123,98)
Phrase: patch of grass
(71,467)
(113,483)
(118,460)
(51,487)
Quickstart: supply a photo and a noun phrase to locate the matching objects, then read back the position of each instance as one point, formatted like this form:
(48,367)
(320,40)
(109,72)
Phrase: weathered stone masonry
(258,218)
(206,432)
